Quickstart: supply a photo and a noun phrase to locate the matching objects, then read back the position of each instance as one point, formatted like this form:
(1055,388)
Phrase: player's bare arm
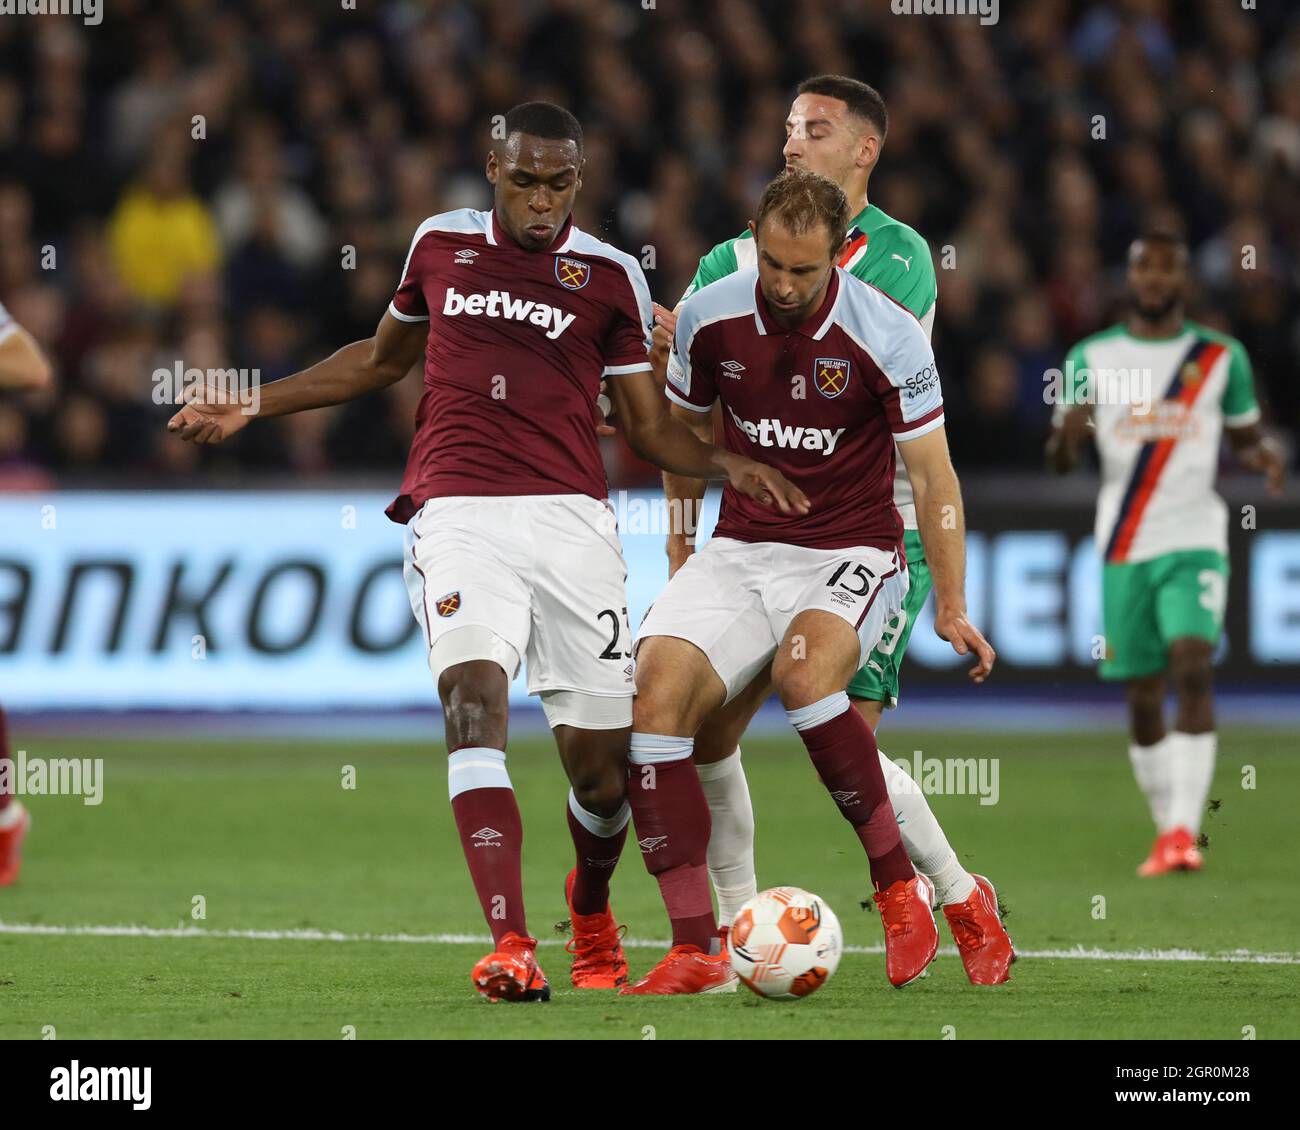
(661,438)
(682,493)
(685,494)
(23,367)
(1257,452)
(942,524)
(1069,434)
(356,369)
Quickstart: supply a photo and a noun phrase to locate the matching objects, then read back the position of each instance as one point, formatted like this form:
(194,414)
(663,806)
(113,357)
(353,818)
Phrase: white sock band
(823,710)
(476,767)
(651,749)
(602,826)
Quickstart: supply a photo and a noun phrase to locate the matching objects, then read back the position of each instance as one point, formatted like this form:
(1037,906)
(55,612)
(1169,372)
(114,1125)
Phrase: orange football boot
(1174,850)
(511,972)
(11,844)
(911,937)
(982,940)
(596,945)
(686,969)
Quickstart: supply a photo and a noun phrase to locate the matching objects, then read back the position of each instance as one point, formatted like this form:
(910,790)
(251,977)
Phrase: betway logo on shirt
(773,433)
(501,304)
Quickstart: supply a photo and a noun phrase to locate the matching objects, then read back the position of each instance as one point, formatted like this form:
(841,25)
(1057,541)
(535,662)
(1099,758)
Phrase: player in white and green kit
(1158,392)
(836,128)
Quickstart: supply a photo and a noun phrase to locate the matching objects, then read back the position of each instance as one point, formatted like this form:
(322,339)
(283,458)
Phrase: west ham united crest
(572,274)
(832,376)
(448,605)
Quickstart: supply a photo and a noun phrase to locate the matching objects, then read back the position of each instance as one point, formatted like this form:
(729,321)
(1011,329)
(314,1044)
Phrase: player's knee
(474,702)
(798,684)
(601,791)
(1193,678)
(656,710)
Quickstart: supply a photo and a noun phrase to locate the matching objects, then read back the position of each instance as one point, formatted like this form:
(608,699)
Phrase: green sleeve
(898,262)
(1239,405)
(717,264)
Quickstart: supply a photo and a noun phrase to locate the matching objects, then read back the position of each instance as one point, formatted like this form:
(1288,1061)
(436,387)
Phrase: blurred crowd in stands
(183,182)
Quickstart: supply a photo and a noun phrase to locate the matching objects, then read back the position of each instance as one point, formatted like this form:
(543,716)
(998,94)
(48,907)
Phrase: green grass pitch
(266,834)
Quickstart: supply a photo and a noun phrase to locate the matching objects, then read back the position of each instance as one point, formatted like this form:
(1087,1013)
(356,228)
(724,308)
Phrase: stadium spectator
(1029,153)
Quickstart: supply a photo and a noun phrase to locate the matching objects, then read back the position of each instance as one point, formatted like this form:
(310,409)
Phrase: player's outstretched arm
(942,524)
(1256,452)
(23,367)
(662,439)
(211,415)
(1069,433)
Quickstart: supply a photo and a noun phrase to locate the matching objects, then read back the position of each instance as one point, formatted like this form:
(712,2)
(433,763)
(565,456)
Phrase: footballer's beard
(840,176)
(1155,311)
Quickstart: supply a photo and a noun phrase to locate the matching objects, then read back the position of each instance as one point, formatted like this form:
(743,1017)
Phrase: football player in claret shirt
(1157,392)
(23,368)
(837,127)
(512,549)
(824,375)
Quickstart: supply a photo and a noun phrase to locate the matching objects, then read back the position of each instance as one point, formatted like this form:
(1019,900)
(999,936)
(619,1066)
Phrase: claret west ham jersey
(518,344)
(823,403)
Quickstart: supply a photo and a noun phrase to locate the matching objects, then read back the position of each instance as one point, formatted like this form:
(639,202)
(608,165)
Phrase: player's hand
(209,415)
(766,485)
(661,340)
(604,406)
(1268,458)
(965,638)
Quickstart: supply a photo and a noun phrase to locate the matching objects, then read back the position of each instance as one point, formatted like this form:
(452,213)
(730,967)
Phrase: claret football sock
(491,834)
(672,828)
(1153,767)
(927,847)
(1191,760)
(843,751)
(598,841)
(731,842)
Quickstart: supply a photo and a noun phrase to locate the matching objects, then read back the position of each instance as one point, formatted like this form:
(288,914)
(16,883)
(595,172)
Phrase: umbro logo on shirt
(501,304)
(844,797)
(466,256)
(734,368)
(486,837)
(652,843)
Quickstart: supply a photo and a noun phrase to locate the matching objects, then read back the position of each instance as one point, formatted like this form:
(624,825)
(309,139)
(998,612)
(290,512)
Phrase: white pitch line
(1077,953)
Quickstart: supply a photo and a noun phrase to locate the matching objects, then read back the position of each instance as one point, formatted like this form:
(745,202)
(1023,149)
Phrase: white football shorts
(540,578)
(735,600)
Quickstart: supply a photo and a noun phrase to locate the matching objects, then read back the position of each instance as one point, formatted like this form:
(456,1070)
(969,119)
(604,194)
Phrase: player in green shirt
(1156,394)
(836,128)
